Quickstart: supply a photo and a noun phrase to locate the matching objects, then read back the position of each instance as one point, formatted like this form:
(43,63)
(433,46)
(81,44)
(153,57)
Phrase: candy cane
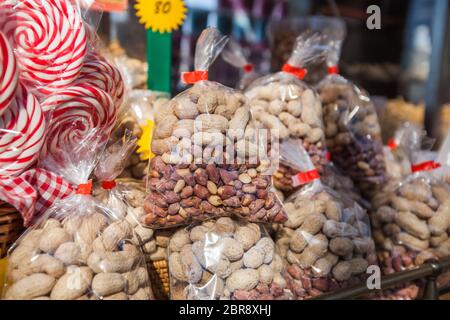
(22,128)
(75,112)
(8,73)
(49,39)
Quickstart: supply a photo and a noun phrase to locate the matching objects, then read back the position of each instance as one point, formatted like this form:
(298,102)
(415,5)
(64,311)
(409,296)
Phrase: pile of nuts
(224,259)
(82,257)
(289,109)
(193,182)
(326,242)
(412,224)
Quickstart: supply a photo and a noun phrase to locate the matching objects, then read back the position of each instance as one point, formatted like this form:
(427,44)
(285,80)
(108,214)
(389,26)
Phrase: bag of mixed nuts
(209,162)
(352,131)
(234,54)
(326,240)
(290,109)
(411,220)
(78,249)
(225,259)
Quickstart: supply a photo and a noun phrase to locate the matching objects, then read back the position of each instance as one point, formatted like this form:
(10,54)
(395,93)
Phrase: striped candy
(101,74)
(22,128)
(49,39)
(8,73)
(75,113)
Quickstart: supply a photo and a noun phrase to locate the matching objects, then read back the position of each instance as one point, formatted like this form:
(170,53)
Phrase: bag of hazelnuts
(326,241)
(225,259)
(209,160)
(234,55)
(78,249)
(411,220)
(291,109)
(352,130)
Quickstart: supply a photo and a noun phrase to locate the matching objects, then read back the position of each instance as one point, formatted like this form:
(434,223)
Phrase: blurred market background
(405,65)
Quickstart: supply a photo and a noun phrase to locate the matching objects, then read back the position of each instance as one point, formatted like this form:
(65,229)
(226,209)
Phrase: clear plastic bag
(352,131)
(234,54)
(225,260)
(78,249)
(208,161)
(289,108)
(50,40)
(141,105)
(411,219)
(326,240)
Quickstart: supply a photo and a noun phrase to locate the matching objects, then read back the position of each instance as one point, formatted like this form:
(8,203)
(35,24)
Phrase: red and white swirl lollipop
(22,129)
(101,74)
(8,73)
(75,112)
(49,40)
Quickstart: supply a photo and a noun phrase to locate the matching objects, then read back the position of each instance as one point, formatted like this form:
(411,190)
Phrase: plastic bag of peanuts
(326,241)
(78,249)
(352,131)
(291,109)
(234,54)
(411,220)
(223,259)
(209,161)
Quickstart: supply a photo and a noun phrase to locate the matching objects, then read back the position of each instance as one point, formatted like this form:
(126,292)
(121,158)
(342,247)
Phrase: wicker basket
(11,226)
(159,277)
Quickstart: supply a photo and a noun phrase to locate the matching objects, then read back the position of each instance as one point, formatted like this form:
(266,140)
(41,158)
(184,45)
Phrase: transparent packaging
(353,134)
(50,39)
(225,259)
(326,240)
(411,219)
(209,162)
(234,54)
(78,249)
(291,109)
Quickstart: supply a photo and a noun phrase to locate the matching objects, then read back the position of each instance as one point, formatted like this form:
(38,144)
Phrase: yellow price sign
(161,15)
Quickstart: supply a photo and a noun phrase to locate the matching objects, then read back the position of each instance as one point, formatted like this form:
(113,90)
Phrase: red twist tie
(84,188)
(305,177)
(192,77)
(392,144)
(328,155)
(108,185)
(298,72)
(333,70)
(248,67)
(425,166)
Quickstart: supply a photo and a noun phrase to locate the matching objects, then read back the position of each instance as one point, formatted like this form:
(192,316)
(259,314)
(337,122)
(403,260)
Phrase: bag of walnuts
(234,54)
(208,162)
(78,249)
(326,241)
(291,109)
(223,259)
(352,131)
(411,221)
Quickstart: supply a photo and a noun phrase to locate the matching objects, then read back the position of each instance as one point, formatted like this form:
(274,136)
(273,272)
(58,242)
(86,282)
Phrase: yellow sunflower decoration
(145,142)
(161,15)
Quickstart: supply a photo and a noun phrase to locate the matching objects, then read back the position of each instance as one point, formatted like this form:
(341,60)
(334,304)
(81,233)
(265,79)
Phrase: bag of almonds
(208,162)
(326,241)
(234,54)
(223,259)
(78,249)
(411,221)
(291,109)
(352,131)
